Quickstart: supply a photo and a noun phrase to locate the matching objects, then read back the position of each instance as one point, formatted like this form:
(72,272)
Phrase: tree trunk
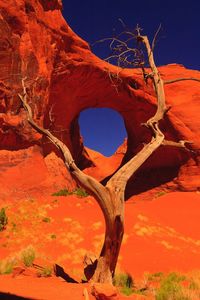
(106,264)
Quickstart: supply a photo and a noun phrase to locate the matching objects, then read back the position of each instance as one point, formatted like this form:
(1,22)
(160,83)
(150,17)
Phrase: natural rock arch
(60,65)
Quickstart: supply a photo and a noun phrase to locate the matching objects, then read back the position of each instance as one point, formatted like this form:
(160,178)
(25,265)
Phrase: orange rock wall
(63,77)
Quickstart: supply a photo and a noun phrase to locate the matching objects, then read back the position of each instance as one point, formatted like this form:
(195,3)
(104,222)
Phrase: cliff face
(63,77)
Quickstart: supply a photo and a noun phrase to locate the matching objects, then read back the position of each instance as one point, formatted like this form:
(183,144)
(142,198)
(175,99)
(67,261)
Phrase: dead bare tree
(111,197)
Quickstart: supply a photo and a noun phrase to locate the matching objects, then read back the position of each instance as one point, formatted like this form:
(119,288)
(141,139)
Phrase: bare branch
(120,178)
(181,79)
(91,184)
(155,38)
(158,85)
(180,144)
(122,52)
(113,39)
(51,118)
(122,22)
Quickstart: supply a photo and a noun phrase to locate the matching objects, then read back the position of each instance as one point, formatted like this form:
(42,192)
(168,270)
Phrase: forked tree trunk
(108,258)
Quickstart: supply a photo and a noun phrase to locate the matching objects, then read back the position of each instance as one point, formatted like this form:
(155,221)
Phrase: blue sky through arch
(102,129)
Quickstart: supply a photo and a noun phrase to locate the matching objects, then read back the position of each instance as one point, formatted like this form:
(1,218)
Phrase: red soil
(161,234)
(164,234)
(42,288)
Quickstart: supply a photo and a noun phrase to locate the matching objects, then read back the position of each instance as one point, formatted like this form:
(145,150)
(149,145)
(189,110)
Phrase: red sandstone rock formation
(63,77)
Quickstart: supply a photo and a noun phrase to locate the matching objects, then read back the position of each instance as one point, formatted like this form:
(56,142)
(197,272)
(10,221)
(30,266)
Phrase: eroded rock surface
(63,77)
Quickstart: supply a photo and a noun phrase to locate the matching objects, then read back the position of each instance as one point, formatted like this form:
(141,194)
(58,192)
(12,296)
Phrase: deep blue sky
(179,41)
(102,129)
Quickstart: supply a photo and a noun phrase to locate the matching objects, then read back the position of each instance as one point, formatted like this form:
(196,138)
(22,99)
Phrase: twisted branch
(120,178)
(88,182)
(180,144)
(181,79)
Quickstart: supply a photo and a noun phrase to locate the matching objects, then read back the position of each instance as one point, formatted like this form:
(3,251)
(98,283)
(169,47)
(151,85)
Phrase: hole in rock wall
(102,130)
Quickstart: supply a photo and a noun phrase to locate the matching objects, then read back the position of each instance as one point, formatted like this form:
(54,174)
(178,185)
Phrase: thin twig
(155,38)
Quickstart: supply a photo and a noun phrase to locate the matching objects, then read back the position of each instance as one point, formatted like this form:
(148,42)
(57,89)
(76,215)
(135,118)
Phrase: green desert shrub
(171,288)
(3,219)
(125,282)
(63,192)
(28,256)
(45,272)
(159,194)
(46,220)
(155,276)
(193,285)
(6,266)
(80,192)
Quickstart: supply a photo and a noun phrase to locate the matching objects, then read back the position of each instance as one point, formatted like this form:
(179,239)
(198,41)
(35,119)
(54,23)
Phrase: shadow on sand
(59,272)
(7,296)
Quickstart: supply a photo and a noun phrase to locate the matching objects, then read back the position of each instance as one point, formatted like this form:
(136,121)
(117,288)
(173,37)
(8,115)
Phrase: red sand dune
(161,235)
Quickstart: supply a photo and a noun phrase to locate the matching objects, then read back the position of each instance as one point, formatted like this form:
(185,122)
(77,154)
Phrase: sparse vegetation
(46,220)
(155,276)
(171,288)
(45,272)
(6,266)
(80,192)
(53,236)
(125,282)
(3,219)
(31,200)
(14,226)
(159,194)
(126,291)
(55,201)
(63,192)
(193,285)
(28,256)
